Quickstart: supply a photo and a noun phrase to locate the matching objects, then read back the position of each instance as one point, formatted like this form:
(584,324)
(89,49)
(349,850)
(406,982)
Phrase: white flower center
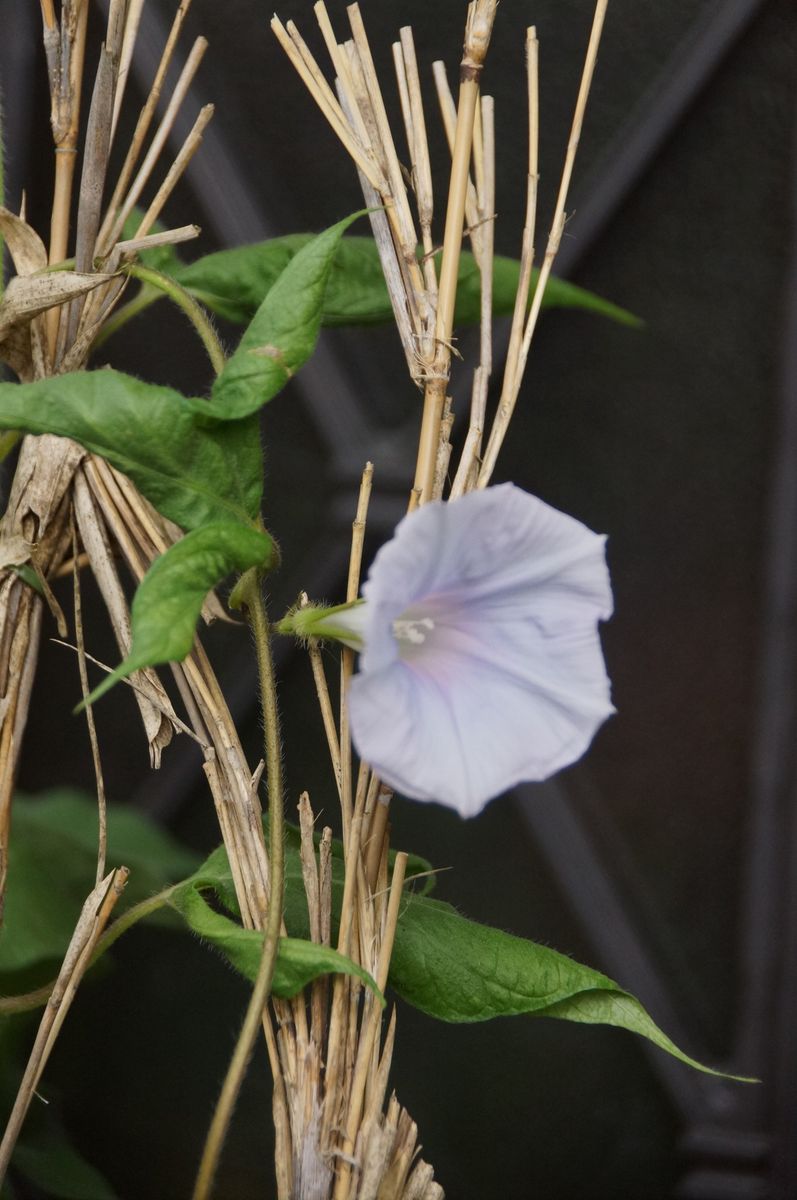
(410,632)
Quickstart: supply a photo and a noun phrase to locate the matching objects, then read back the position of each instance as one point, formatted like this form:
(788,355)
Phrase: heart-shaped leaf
(191,474)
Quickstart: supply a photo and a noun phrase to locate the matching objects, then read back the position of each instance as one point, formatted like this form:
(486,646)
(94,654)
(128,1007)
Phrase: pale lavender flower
(480,663)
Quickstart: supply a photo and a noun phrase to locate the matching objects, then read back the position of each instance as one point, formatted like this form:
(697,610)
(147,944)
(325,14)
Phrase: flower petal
(509,684)
(476,720)
(483,553)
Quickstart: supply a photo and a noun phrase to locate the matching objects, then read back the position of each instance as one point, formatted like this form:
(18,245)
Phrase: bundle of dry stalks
(423,304)
(336,1136)
(48,323)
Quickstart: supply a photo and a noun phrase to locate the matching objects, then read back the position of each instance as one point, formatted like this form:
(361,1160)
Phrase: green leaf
(234,282)
(168,601)
(52,864)
(215,873)
(28,576)
(298,963)
(283,332)
(558,294)
(192,475)
(459,971)
(54,1166)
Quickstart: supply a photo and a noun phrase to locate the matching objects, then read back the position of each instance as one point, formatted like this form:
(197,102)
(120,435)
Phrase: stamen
(412,631)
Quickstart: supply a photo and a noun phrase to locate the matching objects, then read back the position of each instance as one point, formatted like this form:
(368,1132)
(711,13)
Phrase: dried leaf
(26,355)
(28,295)
(14,551)
(24,244)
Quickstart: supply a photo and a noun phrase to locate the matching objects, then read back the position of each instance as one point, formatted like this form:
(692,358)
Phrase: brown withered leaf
(28,295)
(24,244)
(14,550)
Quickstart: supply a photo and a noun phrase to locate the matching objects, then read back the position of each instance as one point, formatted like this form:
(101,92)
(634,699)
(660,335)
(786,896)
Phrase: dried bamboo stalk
(38,511)
(132,21)
(481,16)
(102,807)
(507,406)
(104,238)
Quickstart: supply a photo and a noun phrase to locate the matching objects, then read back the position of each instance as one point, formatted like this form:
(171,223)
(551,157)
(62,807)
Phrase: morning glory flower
(480,663)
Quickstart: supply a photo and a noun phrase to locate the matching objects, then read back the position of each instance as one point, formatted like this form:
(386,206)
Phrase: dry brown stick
(394,195)
(477,38)
(356,120)
(338,1038)
(107,298)
(362,792)
(376,1096)
(312,890)
(347,655)
(65,93)
(187,152)
(406,225)
(102,807)
(506,408)
(326,101)
(66,568)
(325,704)
(422,168)
(358,533)
(377,834)
(448,113)
(407,305)
(37,511)
(167,237)
(425,304)
(325,884)
(144,172)
(340,61)
(65,98)
(240,821)
(154,705)
(95,160)
(467,469)
(368,1036)
(98,138)
(527,247)
(132,22)
(104,241)
(91,922)
(486,193)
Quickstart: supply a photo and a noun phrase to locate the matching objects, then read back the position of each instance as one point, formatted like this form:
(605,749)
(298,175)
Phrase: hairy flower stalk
(480,661)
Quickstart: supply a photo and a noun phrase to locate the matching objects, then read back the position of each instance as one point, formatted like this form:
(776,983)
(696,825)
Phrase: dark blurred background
(668,857)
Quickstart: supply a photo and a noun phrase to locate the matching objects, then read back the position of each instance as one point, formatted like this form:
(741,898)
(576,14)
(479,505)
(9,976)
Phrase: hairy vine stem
(184,300)
(252,600)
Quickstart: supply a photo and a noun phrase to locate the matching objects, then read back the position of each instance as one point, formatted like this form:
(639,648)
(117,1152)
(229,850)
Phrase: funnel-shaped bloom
(480,663)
